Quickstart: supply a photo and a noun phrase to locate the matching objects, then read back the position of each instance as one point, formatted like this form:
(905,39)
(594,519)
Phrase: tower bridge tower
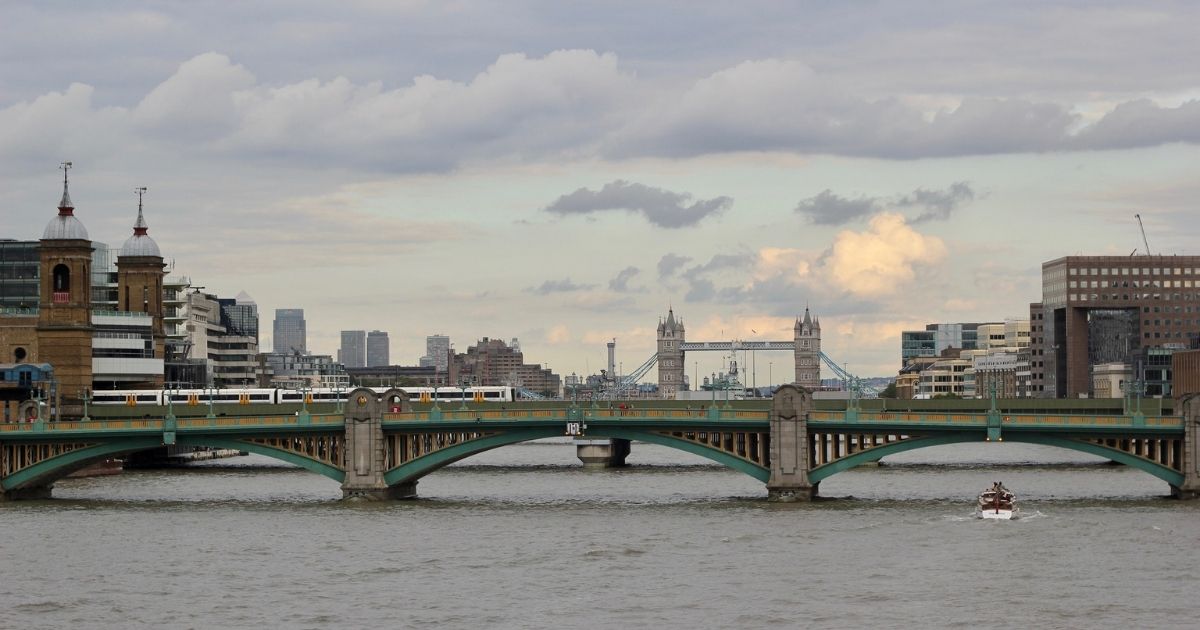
(807,334)
(670,356)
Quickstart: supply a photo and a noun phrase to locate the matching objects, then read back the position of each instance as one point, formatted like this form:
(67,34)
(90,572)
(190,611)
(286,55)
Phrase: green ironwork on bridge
(379,447)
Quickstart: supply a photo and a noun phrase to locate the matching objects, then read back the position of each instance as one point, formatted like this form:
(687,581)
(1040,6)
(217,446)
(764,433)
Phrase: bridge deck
(849,421)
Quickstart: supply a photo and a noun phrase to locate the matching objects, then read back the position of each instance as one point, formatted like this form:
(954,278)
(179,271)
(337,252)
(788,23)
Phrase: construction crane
(1143,229)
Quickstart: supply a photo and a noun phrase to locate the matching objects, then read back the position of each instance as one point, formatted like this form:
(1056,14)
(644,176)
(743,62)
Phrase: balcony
(112,368)
(61,297)
(120,318)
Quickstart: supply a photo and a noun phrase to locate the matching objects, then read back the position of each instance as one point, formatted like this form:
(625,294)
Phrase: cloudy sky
(564,172)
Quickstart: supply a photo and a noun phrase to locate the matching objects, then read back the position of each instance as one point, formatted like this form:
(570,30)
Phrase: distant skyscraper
(437,352)
(353,353)
(289,331)
(378,351)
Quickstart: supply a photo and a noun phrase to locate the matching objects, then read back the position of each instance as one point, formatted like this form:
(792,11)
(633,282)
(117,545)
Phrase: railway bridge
(379,447)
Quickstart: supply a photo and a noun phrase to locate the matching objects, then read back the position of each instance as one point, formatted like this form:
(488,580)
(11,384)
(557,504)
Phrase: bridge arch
(417,468)
(1172,477)
(57,467)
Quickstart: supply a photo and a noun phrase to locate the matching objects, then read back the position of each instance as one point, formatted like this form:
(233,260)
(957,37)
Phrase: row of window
(1137,297)
(1125,271)
(1136,284)
(1168,322)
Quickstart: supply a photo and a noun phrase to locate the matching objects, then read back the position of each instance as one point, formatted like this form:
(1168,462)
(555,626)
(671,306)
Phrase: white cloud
(198,102)
(881,260)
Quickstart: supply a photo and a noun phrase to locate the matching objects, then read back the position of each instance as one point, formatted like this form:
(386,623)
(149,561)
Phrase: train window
(260,397)
(146,398)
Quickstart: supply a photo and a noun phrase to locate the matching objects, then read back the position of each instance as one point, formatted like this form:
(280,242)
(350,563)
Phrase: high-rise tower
(64,325)
(808,351)
(670,356)
(378,349)
(290,332)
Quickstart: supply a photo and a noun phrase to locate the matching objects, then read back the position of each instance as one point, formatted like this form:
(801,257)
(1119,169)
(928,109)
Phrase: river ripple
(523,537)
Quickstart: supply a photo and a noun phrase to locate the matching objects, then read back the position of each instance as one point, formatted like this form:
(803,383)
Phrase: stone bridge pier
(365,461)
(790,458)
(1189,408)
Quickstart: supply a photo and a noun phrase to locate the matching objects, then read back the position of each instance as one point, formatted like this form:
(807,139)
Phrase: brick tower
(140,283)
(64,326)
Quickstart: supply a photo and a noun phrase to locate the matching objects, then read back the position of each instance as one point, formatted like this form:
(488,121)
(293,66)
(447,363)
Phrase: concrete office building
(1108,309)
(230,359)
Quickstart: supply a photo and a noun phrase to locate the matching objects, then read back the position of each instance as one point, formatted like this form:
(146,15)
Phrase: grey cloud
(620,283)
(669,264)
(215,109)
(1142,123)
(559,286)
(719,262)
(938,204)
(826,208)
(660,207)
(701,287)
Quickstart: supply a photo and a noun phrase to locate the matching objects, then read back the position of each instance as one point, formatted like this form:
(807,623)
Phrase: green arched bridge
(378,447)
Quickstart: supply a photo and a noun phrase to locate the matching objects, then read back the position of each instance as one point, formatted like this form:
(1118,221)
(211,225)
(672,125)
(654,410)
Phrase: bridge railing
(981,419)
(75,426)
(587,412)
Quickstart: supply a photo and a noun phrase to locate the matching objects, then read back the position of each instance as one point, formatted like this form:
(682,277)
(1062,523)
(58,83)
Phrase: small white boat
(997,503)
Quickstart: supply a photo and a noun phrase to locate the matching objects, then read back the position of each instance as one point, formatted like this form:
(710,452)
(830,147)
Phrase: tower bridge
(379,447)
(673,346)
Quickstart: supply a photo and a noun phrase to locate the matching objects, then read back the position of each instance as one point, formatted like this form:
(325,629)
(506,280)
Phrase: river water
(523,537)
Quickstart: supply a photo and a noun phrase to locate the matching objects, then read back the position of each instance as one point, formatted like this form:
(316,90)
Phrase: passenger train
(193,397)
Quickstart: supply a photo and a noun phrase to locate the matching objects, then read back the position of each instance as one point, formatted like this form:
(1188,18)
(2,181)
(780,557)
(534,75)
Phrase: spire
(670,317)
(140,228)
(807,317)
(140,244)
(65,207)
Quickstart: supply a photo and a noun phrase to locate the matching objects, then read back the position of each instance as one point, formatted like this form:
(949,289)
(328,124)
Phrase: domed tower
(140,280)
(64,326)
(808,351)
(670,356)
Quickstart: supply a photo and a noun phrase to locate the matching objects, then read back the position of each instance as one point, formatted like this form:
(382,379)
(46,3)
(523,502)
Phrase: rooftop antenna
(1143,229)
